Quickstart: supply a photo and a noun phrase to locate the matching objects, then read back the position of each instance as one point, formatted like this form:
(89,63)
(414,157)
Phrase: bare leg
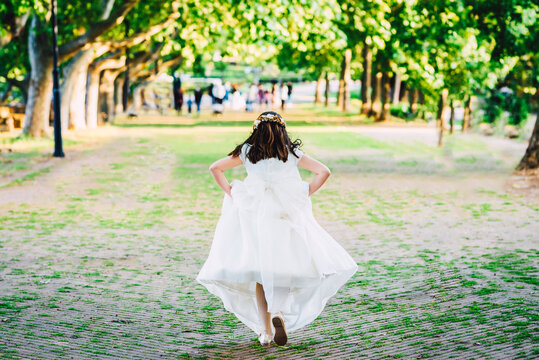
(263,314)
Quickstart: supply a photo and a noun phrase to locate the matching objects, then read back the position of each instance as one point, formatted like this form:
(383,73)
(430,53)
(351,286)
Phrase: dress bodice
(273,169)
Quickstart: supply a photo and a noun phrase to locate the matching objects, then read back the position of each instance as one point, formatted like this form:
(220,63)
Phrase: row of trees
(437,53)
(130,42)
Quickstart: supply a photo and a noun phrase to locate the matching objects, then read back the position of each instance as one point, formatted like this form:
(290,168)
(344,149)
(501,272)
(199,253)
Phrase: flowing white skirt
(267,234)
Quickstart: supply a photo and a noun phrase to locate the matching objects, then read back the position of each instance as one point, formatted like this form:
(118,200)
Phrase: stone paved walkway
(98,257)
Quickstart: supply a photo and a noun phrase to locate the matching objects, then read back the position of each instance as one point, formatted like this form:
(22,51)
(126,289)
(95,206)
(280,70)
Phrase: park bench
(11,117)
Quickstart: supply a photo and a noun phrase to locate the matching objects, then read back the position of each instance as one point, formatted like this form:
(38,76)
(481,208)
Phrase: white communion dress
(267,234)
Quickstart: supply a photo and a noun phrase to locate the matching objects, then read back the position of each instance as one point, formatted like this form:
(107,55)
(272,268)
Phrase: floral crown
(268,117)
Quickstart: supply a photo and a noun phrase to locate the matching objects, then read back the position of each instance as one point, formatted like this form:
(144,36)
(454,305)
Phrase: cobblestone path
(98,255)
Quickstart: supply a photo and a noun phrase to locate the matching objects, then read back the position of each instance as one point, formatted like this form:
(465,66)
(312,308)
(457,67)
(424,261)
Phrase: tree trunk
(403,96)
(386,88)
(376,105)
(40,86)
(136,98)
(413,100)
(77,118)
(366,80)
(421,97)
(530,160)
(326,102)
(343,99)
(340,90)
(93,87)
(92,97)
(467,114)
(119,95)
(440,123)
(452,117)
(36,122)
(106,96)
(318,92)
(397,88)
(73,90)
(77,115)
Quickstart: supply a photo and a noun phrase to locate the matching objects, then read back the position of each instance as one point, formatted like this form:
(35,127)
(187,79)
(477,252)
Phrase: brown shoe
(280,337)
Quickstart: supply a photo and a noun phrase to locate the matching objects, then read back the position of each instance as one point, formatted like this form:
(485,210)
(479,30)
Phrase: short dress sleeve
(243,152)
(299,153)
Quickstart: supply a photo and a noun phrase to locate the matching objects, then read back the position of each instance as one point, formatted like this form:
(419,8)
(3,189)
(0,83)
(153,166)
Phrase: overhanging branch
(70,48)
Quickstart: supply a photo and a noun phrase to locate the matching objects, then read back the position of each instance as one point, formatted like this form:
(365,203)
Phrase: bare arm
(320,170)
(218,169)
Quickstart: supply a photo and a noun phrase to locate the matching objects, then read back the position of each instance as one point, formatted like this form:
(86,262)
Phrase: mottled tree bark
(345,104)
(36,122)
(73,90)
(452,117)
(467,114)
(39,49)
(366,80)
(396,88)
(530,160)
(326,101)
(376,105)
(386,89)
(106,93)
(118,95)
(318,91)
(440,121)
(413,100)
(92,97)
(343,97)
(93,88)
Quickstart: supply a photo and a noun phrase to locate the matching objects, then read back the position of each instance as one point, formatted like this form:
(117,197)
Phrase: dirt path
(99,255)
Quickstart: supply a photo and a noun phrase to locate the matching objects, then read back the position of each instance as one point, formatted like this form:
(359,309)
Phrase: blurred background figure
(275,98)
(210,93)
(236,98)
(289,98)
(252,96)
(219,93)
(178,100)
(261,96)
(189,104)
(268,99)
(198,98)
(284,95)
(228,91)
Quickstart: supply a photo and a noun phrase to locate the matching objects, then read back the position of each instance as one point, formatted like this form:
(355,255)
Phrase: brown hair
(268,140)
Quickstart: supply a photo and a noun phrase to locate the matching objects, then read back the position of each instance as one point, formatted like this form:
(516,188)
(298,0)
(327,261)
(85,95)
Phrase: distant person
(179,100)
(210,93)
(189,104)
(289,85)
(236,98)
(198,98)
(268,99)
(261,96)
(275,96)
(284,95)
(219,93)
(251,97)
(228,91)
